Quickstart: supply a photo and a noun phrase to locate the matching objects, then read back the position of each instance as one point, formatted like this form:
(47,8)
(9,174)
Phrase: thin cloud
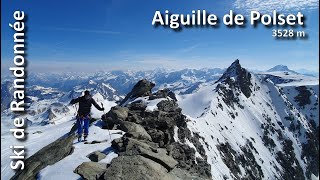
(86,30)
(281,5)
(190,48)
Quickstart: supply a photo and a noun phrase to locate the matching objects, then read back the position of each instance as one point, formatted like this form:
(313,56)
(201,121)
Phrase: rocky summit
(154,146)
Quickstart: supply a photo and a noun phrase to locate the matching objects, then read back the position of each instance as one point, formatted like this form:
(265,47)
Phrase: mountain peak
(237,77)
(279,68)
(233,70)
(234,65)
(237,61)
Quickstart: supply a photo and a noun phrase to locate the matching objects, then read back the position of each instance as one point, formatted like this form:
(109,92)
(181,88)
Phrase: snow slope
(40,135)
(64,168)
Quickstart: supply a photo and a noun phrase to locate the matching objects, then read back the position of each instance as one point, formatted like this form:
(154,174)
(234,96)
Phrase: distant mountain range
(115,84)
(237,125)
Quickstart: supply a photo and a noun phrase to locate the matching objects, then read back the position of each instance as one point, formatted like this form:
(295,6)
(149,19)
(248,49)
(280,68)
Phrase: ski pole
(108,126)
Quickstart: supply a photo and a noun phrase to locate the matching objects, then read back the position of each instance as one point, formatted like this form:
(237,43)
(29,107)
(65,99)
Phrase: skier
(83,116)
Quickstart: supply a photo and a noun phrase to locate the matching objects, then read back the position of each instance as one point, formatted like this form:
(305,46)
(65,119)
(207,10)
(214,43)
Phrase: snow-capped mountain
(233,124)
(286,77)
(112,85)
(281,68)
(257,126)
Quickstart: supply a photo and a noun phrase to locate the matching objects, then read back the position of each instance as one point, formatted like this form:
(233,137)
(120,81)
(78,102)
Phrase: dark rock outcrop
(142,88)
(310,151)
(168,106)
(163,93)
(289,162)
(303,97)
(246,159)
(237,78)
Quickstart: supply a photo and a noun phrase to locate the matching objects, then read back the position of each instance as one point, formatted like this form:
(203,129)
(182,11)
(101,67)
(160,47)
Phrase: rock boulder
(48,155)
(91,170)
(136,168)
(134,130)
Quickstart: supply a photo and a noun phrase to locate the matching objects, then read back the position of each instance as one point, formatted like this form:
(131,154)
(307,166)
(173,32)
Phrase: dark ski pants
(83,125)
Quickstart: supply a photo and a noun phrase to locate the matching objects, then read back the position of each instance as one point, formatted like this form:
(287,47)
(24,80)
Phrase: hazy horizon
(83,68)
(119,35)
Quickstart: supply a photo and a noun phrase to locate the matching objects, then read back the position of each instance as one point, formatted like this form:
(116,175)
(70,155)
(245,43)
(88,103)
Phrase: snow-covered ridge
(263,125)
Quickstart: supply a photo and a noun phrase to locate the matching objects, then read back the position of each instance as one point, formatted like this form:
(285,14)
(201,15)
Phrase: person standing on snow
(83,116)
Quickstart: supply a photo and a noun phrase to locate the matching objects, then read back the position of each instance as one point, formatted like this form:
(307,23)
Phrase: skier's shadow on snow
(99,123)
(108,150)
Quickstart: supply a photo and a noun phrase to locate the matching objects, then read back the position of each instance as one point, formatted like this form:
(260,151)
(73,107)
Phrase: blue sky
(98,35)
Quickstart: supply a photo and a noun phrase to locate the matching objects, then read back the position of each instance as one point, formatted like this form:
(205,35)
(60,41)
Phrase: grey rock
(133,117)
(91,170)
(130,147)
(164,93)
(168,106)
(116,114)
(135,130)
(136,168)
(141,89)
(180,174)
(124,145)
(96,156)
(137,106)
(157,136)
(48,155)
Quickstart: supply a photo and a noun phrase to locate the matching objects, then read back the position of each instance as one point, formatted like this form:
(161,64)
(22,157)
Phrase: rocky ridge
(157,143)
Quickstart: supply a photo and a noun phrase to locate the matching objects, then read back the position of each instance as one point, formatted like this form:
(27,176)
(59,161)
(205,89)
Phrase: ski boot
(85,138)
(79,138)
